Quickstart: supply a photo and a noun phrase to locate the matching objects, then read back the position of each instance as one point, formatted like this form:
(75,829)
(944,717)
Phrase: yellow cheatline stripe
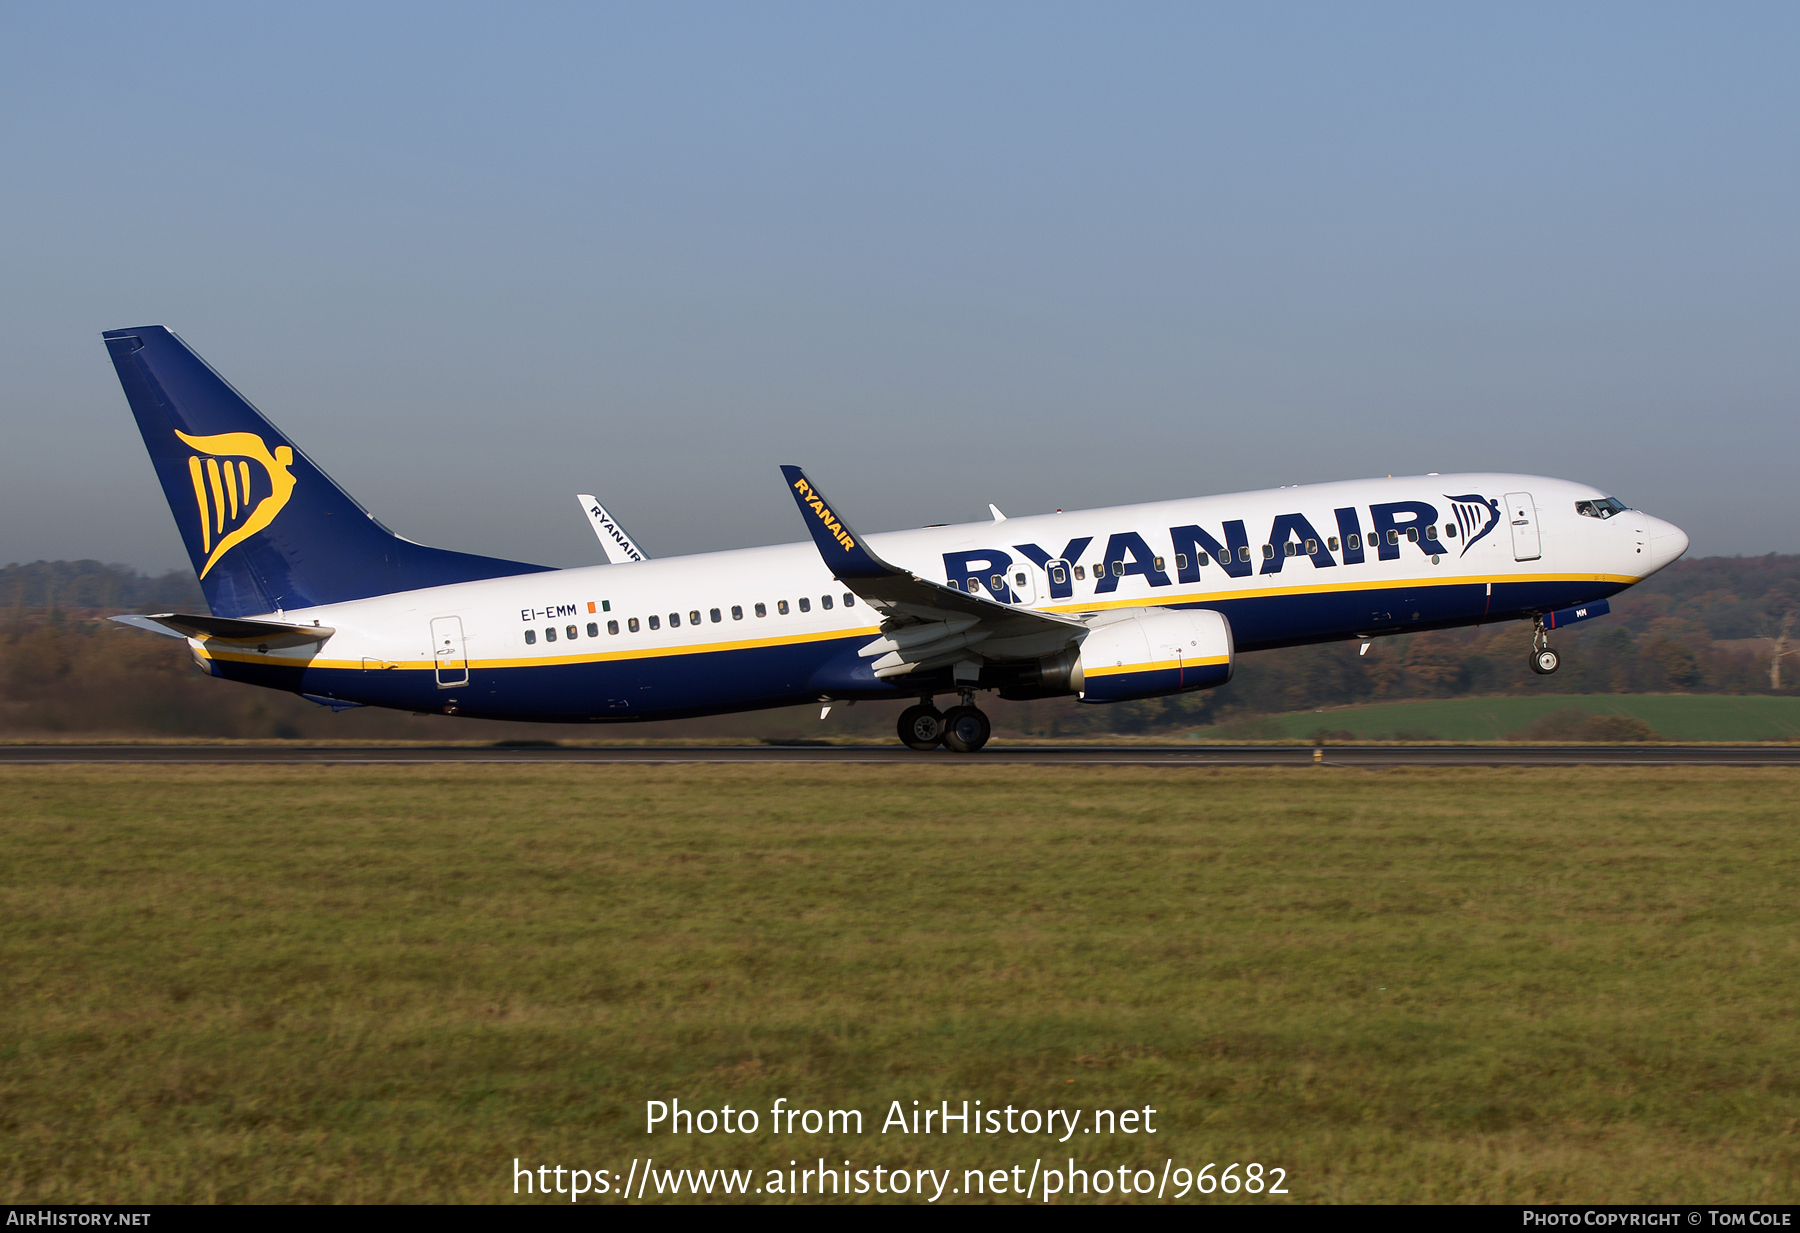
(1250,591)
(1157,601)
(221,648)
(1161,665)
(200,500)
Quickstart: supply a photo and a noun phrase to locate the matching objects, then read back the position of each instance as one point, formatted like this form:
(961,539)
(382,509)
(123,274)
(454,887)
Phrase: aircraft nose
(1667,543)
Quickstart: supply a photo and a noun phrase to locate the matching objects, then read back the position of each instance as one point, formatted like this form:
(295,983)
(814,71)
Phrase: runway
(1347,756)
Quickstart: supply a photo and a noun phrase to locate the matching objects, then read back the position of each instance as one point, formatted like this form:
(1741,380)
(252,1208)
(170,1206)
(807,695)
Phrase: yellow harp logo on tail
(236,501)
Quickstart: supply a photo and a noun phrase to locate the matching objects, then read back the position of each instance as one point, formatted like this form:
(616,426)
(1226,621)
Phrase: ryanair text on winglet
(824,513)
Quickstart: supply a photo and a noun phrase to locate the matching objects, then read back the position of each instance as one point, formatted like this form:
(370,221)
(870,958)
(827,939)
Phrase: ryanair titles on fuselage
(1127,553)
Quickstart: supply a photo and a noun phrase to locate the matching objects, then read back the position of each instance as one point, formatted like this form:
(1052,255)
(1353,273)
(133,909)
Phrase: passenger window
(805,604)
(997,584)
(1181,560)
(573,633)
(593,629)
(825,602)
(1019,578)
(1244,553)
(1059,575)
(655,622)
(632,625)
(1312,547)
(1393,536)
(781,607)
(1080,572)
(674,621)
(694,617)
(974,585)
(1159,565)
(762,610)
(531,637)
(1287,548)
(612,627)
(1449,530)
(550,634)
(1355,542)
(1268,552)
(1118,568)
(716,618)
(849,600)
(1412,535)
(737,612)
(1431,532)
(953,584)
(1224,556)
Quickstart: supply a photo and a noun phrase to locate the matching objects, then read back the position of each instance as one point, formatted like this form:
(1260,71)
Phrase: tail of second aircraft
(266,529)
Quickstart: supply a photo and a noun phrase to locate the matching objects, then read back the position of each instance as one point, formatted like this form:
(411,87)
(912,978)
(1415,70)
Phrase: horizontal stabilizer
(190,625)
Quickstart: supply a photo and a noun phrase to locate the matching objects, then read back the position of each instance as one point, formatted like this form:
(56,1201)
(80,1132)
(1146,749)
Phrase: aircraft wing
(924,624)
(613,541)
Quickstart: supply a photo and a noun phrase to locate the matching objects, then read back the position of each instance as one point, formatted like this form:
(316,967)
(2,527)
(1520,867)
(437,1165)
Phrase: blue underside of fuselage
(705,683)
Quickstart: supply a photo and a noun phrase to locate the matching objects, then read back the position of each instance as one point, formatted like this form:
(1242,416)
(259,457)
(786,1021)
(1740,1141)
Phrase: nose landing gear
(1544,661)
(963,729)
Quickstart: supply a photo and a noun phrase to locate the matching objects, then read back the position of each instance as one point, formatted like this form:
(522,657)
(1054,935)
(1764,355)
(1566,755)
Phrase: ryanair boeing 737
(309,593)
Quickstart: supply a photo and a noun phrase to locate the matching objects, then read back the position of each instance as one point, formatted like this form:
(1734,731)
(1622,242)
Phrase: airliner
(307,592)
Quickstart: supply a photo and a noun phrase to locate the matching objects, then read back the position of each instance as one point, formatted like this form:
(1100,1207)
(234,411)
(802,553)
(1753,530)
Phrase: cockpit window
(1605,507)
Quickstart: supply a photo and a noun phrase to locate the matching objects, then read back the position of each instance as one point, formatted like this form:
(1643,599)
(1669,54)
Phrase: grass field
(1678,717)
(370,984)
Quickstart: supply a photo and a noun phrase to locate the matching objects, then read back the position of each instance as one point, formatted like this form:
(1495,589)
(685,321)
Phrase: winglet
(614,542)
(843,549)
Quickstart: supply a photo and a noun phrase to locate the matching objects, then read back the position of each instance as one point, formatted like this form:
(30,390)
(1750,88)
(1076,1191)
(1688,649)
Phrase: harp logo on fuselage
(1476,515)
(235,500)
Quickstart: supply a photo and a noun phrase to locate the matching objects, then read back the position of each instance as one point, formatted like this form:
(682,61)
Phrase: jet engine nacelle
(1151,652)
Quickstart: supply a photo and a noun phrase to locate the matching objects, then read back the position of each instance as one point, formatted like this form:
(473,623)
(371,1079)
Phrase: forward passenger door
(1522,514)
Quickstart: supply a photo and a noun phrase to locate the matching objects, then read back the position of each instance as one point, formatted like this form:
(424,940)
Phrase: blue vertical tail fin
(266,529)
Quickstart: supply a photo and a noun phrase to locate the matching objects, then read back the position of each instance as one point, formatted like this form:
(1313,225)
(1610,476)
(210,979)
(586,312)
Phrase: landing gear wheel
(966,729)
(921,727)
(1544,661)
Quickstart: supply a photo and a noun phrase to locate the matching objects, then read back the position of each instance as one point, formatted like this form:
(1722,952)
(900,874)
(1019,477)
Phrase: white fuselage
(741,629)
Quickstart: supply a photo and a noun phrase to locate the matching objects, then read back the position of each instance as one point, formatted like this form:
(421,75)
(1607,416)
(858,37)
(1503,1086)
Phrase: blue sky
(477,259)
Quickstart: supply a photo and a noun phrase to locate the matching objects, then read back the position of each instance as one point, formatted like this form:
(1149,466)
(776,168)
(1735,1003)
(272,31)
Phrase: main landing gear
(963,729)
(921,727)
(1544,661)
